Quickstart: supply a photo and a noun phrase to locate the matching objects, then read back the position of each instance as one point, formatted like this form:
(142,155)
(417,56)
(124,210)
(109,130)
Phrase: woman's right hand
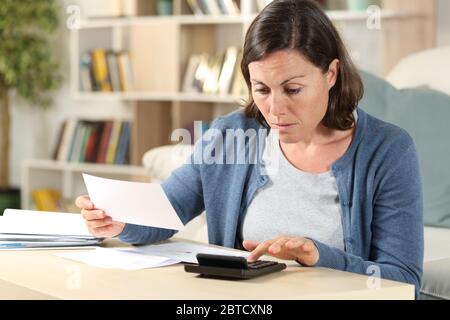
(99,224)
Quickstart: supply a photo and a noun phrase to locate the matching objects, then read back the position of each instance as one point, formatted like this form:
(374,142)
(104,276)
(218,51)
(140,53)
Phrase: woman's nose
(277,105)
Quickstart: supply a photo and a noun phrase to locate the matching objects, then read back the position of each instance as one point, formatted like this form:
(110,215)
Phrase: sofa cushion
(436,280)
(437,244)
(160,162)
(424,68)
(425,115)
(376,94)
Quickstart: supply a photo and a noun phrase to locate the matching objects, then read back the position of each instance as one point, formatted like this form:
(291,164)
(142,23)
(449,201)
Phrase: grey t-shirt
(293,203)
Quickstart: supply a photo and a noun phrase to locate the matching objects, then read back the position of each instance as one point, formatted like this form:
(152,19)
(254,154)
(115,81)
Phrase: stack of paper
(23,229)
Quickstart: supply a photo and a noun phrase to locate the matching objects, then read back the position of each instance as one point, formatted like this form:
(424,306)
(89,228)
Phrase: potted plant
(27,66)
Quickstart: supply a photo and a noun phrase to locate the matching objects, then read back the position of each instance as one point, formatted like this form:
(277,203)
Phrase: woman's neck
(317,155)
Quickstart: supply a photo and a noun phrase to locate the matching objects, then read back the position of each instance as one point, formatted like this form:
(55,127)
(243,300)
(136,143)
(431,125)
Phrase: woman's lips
(283,126)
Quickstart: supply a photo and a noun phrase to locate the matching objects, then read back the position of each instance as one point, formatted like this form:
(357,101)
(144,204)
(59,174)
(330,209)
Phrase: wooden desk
(42,275)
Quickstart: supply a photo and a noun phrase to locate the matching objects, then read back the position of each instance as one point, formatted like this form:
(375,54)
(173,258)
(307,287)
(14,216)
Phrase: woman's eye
(262,91)
(293,91)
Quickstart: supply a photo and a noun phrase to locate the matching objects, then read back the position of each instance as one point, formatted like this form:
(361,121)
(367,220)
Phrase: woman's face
(292,93)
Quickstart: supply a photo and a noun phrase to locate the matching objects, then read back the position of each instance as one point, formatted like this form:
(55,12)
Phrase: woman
(345,192)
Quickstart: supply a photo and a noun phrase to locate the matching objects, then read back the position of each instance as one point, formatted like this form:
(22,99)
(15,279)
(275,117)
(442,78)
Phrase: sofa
(412,99)
(422,89)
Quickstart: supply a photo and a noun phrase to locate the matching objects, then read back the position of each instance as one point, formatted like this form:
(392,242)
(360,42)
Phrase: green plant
(27,61)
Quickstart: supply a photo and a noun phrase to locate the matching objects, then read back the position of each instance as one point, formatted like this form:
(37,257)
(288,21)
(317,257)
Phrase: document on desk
(133,202)
(26,230)
(184,251)
(28,222)
(109,258)
(149,256)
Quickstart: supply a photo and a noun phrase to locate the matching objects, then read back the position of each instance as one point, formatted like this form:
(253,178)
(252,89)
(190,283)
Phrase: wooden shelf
(155,96)
(44,164)
(344,15)
(151,20)
(335,15)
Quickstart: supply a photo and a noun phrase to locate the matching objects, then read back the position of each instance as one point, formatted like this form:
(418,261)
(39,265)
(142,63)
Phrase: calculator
(232,267)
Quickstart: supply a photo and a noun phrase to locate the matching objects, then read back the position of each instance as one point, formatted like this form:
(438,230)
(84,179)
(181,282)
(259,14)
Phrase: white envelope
(133,202)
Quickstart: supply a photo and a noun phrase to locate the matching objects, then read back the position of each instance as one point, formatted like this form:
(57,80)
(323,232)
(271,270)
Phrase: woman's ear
(333,72)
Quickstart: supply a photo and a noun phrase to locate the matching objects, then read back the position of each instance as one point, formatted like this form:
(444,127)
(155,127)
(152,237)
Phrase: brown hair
(302,25)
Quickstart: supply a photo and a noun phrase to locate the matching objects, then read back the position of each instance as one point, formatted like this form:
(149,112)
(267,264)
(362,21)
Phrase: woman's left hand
(302,250)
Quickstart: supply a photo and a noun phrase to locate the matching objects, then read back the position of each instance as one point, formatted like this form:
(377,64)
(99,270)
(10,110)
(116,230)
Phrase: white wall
(443,23)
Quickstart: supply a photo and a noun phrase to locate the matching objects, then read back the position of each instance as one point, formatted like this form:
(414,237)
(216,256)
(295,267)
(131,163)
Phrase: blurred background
(93,86)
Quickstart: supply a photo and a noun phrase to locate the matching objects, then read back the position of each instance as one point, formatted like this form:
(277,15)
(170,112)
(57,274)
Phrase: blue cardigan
(379,189)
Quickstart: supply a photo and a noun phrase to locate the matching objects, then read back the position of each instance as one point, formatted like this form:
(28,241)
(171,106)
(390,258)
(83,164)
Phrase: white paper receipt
(138,203)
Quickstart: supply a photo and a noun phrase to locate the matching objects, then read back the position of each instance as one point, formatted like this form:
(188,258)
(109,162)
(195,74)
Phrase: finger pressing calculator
(210,265)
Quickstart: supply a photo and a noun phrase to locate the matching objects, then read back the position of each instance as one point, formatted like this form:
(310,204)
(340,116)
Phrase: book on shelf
(211,84)
(215,73)
(87,141)
(189,75)
(113,142)
(93,141)
(229,7)
(113,71)
(105,70)
(227,71)
(213,7)
(75,146)
(67,131)
(195,7)
(123,144)
(201,73)
(47,200)
(59,140)
(104,141)
(125,71)
(100,67)
(204,6)
(87,81)
(87,130)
